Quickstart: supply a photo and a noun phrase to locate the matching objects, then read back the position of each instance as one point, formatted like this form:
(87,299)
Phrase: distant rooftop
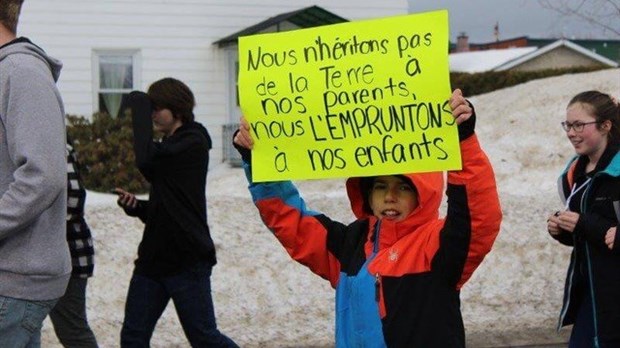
(605,47)
(308,17)
(497,59)
(480,61)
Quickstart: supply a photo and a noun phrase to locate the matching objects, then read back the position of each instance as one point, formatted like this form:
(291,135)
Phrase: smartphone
(115,192)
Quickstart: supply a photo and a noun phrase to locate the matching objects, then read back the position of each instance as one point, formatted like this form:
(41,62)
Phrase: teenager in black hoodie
(176,254)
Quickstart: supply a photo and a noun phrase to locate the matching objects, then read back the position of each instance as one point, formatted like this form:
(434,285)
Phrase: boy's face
(392,197)
(164,121)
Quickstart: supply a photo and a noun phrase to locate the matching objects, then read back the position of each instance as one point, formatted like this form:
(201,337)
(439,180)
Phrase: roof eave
(304,18)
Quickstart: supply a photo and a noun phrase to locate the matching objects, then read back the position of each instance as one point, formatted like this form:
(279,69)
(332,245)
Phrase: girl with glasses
(590,190)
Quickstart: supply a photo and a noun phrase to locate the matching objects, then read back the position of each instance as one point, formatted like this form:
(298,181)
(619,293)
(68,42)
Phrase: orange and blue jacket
(397,283)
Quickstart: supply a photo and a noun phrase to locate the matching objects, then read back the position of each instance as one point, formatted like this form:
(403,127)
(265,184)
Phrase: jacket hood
(25,46)
(610,162)
(613,168)
(429,186)
(197,127)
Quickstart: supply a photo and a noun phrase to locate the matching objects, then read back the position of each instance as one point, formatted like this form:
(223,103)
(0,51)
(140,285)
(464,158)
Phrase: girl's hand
(553,224)
(567,220)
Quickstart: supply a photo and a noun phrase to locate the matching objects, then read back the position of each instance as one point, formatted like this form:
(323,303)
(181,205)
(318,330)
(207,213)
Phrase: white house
(110,47)
(486,60)
(559,54)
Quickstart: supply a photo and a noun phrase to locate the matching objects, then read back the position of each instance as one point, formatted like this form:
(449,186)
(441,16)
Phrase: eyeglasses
(577,126)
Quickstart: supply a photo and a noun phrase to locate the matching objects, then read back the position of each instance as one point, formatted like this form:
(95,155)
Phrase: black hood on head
(197,127)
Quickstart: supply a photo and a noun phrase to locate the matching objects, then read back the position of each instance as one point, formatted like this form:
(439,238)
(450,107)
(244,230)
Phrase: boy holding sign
(398,268)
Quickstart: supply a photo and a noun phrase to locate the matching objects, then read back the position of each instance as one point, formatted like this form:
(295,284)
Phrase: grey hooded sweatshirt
(34,257)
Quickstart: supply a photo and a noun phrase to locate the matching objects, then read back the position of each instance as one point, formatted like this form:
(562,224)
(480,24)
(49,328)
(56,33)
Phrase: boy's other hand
(464,115)
(242,140)
(461,109)
(242,136)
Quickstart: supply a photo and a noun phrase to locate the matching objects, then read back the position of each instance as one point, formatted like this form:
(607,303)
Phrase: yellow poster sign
(353,99)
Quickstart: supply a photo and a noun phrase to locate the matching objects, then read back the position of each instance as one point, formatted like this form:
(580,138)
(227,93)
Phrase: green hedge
(479,83)
(105,153)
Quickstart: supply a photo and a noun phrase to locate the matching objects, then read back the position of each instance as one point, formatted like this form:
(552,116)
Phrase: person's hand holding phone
(126,199)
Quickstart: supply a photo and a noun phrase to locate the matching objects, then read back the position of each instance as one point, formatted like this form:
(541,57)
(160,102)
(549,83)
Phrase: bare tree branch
(604,14)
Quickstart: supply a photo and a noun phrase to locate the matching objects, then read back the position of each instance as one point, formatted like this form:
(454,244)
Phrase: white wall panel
(174,38)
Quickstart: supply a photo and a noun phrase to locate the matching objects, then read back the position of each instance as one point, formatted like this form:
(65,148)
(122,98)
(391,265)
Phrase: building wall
(173,38)
(559,58)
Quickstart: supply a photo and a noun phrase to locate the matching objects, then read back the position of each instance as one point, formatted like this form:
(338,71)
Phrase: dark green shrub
(480,83)
(105,152)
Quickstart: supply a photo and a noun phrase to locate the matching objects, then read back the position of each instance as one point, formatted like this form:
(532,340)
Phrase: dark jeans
(69,316)
(190,292)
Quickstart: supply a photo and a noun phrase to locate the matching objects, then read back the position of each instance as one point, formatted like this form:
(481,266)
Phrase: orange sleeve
(478,178)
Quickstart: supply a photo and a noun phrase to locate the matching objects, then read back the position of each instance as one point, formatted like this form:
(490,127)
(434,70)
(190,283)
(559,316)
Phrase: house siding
(559,58)
(173,38)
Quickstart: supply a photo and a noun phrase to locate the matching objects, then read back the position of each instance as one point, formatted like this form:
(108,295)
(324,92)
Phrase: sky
(515,18)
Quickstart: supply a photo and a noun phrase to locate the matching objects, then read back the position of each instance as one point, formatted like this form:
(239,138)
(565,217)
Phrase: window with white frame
(115,75)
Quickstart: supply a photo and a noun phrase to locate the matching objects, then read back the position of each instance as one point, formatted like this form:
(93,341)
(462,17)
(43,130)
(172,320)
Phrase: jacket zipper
(375,251)
(377,287)
(589,264)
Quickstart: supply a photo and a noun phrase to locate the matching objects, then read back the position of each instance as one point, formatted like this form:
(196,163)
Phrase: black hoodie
(176,234)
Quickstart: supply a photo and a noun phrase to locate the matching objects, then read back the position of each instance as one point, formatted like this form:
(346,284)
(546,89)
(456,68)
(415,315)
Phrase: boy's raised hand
(463,113)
